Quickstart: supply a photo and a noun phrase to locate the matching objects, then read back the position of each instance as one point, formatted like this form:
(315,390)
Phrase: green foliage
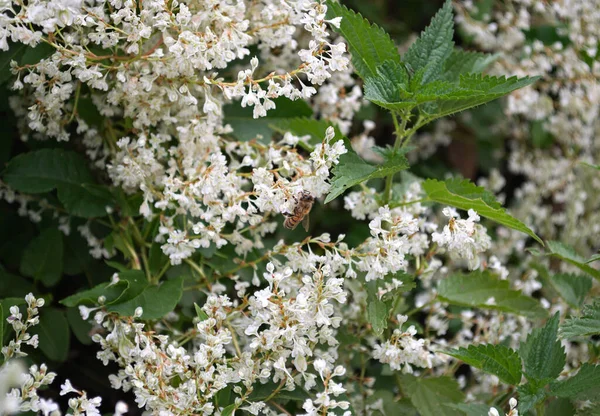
(368,44)
(434,46)
(80,328)
(529,396)
(465,195)
(494,359)
(572,288)
(477,288)
(47,169)
(246,127)
(352,170)
(43,257)
(202,316)
(378,311)
(568,254)
(587,379)
(304,126)
(54,335)
(463,62)
(543,355)
(432,395)
(586,325)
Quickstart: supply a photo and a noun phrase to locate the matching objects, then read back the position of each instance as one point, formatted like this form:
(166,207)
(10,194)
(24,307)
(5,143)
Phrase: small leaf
(572,288)
(368,44)
(586,379)
(53,333)
(477,288)
(529,397)
(378,311)
(43,257)
(352,170)
(473,409)
(498,360)
(432,395)
(200,313)
(156,301)
(586,325)
(463,62)
(543,355)
(465,195)
(90,297)
(568,254)
(47,169)
(263,391)
(229,410)
(434,46)
(246,127)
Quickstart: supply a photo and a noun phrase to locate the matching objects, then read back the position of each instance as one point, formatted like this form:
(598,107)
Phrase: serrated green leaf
(572,288)
(43,257)
(246,127)
(463,62)
(352,170)
(586,325)
(431,395)
(465,195)
(434,46)
(156,301)
(47,169)
(53,333)
(368,44)
(568,254)
(304,126)
(529,397)
(543,355)
(478,288)
(586,379)
(498,360)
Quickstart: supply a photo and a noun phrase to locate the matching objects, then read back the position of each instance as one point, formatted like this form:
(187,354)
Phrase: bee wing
(306,222)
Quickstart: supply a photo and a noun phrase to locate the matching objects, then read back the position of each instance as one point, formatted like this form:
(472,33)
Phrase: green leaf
(200,313)
(473,409)
(543,355)
(465,195)
(131,284)
(81,329)
(304,126)
(593,410)
(572,288)
(53,333)
(434,46)
(586,325)
(1,326)
(498,360)
(593,259)
(229,410)
(463,62)
(477,288)
(156,259)
(529,397)
(33,56)
(263,391)
(156,301)
(352,170)
(378,311)
(432,395)
(368,44)
(47,169)
(389,85)
(43,257)
(246,127)
(568,254)
(586,379)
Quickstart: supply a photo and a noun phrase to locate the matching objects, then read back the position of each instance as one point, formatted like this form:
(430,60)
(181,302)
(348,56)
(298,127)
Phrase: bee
(304,202)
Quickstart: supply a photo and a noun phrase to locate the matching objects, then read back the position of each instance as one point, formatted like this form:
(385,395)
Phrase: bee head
(306,196)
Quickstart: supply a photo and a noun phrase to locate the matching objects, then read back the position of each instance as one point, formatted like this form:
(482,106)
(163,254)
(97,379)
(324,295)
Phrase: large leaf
(156,301)
(568,254)
(368,44)
(431,395)
(434,46)
(246,127)
(53,333)
(81,329)
(584,326)
(14,53)
(542,353)
(586,379)
(571,287)
(352,170)
(478,288)
(494,359)
(465,195)
(130,285)
(465,62)
(43,257)
(47,169)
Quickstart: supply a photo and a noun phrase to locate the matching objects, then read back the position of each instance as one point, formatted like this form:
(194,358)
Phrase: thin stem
(77,94)
(400,134)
